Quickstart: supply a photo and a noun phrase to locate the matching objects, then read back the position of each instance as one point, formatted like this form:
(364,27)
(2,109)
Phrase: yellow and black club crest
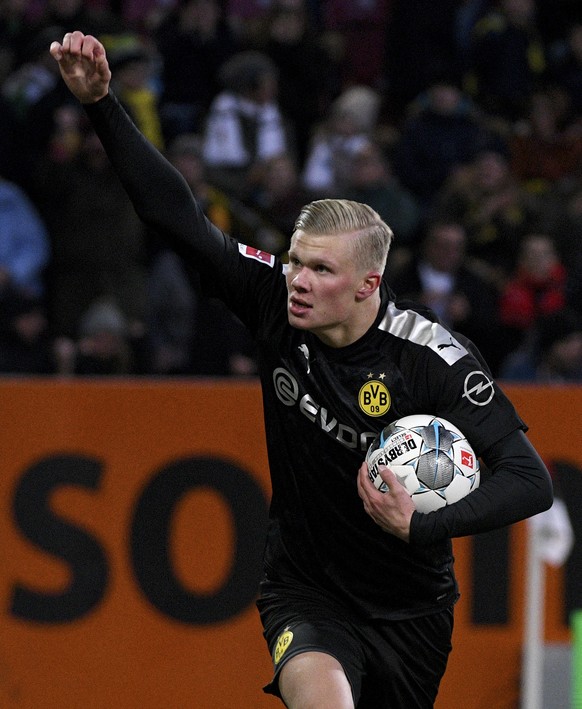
(283,642)
(374,397)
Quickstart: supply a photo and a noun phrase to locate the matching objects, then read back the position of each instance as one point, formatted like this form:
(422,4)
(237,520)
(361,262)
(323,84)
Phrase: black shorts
(397,663)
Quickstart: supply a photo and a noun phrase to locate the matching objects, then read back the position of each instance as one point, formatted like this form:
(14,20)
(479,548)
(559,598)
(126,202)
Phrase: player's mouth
(298,307)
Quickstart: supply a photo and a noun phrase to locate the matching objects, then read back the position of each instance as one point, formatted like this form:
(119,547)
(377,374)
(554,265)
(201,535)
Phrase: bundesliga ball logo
(430,457)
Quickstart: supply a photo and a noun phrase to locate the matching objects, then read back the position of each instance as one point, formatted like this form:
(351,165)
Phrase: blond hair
(342,216)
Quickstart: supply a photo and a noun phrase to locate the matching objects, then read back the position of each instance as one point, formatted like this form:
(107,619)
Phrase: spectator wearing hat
(134,67)
(245,125)
(25,343)
(102,345)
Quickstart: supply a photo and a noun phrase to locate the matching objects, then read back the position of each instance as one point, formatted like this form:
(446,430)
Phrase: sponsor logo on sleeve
(478,388)
(257,254)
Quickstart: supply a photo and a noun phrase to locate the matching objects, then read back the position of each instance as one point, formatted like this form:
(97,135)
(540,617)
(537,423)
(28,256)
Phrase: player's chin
(301,321)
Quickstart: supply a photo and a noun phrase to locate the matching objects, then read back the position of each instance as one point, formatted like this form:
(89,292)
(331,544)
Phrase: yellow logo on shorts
(374,398)
(283,642)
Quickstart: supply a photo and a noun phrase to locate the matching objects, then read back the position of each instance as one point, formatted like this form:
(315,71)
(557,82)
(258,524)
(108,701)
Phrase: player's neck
(348,332)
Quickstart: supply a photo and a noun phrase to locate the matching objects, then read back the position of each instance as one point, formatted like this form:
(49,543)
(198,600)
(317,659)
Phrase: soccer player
(358,589)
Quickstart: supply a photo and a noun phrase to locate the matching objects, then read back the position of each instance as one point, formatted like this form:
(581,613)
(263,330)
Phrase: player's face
(324,282)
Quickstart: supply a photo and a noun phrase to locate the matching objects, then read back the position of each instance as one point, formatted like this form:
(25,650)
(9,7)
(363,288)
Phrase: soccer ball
(430,457)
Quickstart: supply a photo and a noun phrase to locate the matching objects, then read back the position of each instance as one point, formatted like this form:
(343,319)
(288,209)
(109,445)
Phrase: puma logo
(305,351)
(448,344)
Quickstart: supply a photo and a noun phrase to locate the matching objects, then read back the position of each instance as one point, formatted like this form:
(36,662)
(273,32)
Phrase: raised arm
(159,194)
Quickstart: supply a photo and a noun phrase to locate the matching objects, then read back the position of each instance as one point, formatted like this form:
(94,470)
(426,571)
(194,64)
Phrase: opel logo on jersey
(478,388)
(374,398)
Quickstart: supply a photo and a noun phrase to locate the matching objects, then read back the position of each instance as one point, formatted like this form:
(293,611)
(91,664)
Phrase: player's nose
(301,281)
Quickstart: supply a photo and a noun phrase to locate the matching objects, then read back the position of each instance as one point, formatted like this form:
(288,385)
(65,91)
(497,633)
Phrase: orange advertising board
(132,515)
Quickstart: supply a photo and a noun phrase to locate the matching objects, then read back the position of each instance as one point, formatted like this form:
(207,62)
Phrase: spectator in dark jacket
(442,277)
(442,132)
(507,58)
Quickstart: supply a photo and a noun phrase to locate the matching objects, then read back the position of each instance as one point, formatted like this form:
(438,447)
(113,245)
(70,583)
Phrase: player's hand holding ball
(422,457)
(391,512)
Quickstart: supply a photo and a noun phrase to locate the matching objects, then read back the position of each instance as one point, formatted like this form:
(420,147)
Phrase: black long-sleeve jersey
(323,406)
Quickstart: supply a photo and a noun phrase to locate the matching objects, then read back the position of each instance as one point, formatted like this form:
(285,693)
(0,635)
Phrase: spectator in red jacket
(536,288)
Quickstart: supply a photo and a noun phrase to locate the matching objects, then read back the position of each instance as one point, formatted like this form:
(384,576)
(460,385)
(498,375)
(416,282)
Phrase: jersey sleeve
(518,486)
(246,279)
(160,195)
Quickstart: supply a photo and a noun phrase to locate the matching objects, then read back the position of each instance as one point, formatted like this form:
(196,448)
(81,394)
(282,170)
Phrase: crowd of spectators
(459,121)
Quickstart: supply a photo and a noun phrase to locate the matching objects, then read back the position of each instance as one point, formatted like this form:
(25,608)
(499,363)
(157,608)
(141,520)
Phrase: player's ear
(369,285)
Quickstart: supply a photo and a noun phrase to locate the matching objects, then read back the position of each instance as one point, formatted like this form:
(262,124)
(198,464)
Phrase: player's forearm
(519,487)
